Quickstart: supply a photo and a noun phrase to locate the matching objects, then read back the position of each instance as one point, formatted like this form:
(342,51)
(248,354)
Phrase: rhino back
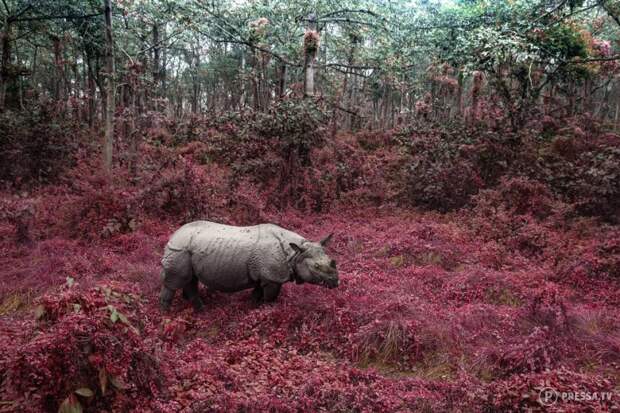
(230,258)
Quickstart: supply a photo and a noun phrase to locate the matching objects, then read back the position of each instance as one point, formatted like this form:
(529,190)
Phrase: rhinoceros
(229,259)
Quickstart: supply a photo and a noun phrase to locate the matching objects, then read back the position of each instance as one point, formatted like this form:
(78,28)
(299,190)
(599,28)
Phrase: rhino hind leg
(190,293)
(257,294)
(177,273)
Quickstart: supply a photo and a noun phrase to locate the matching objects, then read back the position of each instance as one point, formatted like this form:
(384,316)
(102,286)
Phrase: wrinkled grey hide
(228,258)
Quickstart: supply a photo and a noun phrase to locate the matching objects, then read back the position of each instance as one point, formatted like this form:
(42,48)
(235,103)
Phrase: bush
(450,163)
(98,208)
(598,183)
(585,170)
(182,193)
(599,258)
(517,213)
(297,125)
(20,214)
(34,147)
(516,196)
(87,352)
(444,184)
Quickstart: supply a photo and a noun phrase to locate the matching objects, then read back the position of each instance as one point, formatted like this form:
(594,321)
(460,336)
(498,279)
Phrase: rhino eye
(317,266)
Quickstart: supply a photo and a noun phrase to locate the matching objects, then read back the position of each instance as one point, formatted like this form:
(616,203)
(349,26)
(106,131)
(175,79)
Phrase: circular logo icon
(547,396)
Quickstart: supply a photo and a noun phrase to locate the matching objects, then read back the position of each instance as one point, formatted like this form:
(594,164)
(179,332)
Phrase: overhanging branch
(68,16)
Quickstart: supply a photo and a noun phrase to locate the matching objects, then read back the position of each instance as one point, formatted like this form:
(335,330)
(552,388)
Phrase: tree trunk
(156,58)
(20,82)
(163,75)
(92,92)
(242,97)
(282,80)
(109,105)
(198,82)
(5,61)
(311,44)
(130,118)
(459,95)
(255,81)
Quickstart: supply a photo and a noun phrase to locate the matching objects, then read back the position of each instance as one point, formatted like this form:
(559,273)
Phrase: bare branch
(351,21)
(161,42)
(550,12)
(6,7)
(347,11)
(22,11)
(605,7)
(69,16)
(595,59)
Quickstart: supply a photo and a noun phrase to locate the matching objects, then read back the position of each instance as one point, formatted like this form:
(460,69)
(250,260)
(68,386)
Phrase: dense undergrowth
(503,280)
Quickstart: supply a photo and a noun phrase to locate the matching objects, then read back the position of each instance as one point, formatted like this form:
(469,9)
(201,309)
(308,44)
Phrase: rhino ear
(296,248)
(326,240)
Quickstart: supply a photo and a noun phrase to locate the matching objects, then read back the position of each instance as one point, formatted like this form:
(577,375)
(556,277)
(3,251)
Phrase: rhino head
(312,265)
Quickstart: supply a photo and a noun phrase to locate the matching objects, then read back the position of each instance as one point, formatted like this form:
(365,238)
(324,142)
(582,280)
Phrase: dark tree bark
(5,61)
(156,56)
(110,89)
(282,80)
(311,43)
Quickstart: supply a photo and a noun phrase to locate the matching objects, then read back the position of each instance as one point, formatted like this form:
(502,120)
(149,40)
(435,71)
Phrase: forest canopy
(373,63)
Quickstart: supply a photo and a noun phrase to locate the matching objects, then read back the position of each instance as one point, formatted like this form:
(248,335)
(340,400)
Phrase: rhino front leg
(271,292)
(190,293)
(266,292)
(165,298)
(257,293)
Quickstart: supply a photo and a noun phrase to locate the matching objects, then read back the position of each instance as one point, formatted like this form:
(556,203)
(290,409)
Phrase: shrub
(98,208)
(450,163)
(87,352)
(516,196)
(598,183)
(35,147)
(585,171)
(298,126)
(19,213)
(181,192)
(520,214)
(442,184)
(598,258)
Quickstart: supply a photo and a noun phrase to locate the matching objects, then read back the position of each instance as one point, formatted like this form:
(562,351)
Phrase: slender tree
(110,88)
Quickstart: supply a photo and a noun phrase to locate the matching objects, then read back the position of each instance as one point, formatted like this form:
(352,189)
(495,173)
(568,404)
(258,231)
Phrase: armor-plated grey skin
(229,259)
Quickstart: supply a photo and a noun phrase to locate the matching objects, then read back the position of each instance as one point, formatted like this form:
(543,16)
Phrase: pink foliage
(477,309)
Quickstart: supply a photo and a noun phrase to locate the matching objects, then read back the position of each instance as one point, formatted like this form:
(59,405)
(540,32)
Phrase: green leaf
(70,405)
(39,311)
(116,382)
(123,319)
(103,380)
(114,315)
(85,391)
